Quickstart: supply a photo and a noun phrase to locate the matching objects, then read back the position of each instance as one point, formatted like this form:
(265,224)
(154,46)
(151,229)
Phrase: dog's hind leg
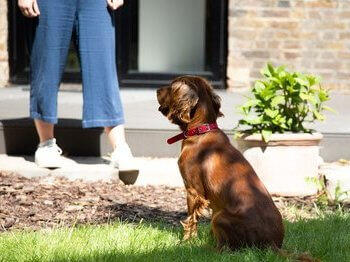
(217,232)
(224,234)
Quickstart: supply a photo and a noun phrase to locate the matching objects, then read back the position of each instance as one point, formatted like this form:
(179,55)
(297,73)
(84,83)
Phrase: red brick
(291,55)
(292,45)
(281,34)
(315,14)
(237,12)
(284,25)
(273,44)
(328,65)
(343,75)
(321,4)
(246,22)
(243,34)
(275,13)
(259,64)
(344,55)
(330,35)
(344,35)
(255,74)
(256,54)
(328,55)
(260,44)
(284,4)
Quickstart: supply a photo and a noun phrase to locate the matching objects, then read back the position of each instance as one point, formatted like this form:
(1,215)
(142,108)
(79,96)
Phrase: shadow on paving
(18,137)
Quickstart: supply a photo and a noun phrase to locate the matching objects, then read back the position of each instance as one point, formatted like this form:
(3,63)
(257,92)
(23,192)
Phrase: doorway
(157,40)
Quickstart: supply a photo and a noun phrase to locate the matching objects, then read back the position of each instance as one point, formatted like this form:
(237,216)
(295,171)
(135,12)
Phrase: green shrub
(282,102)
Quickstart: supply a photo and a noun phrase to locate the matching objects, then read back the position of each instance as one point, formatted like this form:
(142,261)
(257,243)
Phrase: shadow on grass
(135,213)
(327,239)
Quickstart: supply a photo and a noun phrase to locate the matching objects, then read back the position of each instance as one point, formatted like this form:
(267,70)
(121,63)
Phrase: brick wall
(306,35)
(4,65)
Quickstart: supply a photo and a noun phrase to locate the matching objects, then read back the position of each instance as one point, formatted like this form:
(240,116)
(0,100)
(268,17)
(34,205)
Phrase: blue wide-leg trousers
(95,33)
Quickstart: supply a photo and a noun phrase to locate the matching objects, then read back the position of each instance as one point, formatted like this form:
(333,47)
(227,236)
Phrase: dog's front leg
(190,223)
(196,205)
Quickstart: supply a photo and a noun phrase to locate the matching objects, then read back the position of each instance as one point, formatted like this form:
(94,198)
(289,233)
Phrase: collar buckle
(203,129)
(185,133)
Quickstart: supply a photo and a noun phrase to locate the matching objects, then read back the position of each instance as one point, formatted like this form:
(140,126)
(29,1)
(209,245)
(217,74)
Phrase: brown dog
(216,175)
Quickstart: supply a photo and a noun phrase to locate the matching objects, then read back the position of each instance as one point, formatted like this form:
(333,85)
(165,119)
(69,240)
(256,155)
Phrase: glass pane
(171,35)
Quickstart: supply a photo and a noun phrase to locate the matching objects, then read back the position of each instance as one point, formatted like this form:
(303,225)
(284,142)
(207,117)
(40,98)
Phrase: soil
(51,201)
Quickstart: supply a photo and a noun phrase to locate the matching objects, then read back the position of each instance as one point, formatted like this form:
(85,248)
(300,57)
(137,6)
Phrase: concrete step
(18,137)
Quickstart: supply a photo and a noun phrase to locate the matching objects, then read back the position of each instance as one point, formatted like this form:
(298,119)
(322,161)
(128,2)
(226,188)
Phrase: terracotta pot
(285,162)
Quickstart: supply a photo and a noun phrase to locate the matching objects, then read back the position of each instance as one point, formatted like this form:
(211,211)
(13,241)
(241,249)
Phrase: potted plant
(275,136)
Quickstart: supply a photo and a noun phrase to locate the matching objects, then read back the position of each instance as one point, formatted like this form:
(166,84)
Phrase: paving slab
(337,177)
(153,171)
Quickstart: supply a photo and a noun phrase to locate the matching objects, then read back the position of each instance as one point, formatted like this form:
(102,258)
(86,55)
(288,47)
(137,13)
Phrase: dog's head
(186,97)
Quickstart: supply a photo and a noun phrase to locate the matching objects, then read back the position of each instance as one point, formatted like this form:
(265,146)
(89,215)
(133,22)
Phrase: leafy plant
(282,102)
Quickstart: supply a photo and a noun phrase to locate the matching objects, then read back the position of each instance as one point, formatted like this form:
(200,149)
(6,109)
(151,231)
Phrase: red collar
(193,132)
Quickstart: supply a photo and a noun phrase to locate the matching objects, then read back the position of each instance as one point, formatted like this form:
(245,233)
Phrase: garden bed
(52,201)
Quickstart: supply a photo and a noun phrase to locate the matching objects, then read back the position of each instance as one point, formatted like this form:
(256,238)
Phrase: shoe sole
(47,165)
(128,177)
(125,168)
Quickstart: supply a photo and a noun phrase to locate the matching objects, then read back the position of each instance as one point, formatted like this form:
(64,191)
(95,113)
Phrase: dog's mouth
(164,110)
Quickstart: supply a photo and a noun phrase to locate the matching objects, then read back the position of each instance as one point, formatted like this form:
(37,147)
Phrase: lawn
(326,237)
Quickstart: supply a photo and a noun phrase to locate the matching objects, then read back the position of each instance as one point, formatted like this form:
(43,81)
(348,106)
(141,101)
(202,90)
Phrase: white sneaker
(48,154)
(123,159)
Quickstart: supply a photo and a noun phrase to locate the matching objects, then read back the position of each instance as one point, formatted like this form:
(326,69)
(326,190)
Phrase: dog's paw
(186,236)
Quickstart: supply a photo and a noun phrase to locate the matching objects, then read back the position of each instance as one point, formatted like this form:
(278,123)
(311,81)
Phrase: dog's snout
(163,110)
(162,94)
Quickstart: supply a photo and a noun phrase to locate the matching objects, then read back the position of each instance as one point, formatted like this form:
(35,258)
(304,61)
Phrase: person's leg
(48,56)
(102,102)
(116,135)
(44,130)
(48,53)
(96,38)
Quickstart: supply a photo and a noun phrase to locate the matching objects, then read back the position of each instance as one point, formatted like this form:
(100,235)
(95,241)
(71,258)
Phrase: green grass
(327,238)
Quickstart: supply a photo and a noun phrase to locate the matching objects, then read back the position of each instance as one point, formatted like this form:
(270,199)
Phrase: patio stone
(153,171)
(337,175)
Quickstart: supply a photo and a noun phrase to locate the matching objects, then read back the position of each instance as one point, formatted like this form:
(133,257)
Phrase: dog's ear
(216,103)
(216,100)
(186,99)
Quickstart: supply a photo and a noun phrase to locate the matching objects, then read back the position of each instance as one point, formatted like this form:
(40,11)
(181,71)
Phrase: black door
(157,40)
